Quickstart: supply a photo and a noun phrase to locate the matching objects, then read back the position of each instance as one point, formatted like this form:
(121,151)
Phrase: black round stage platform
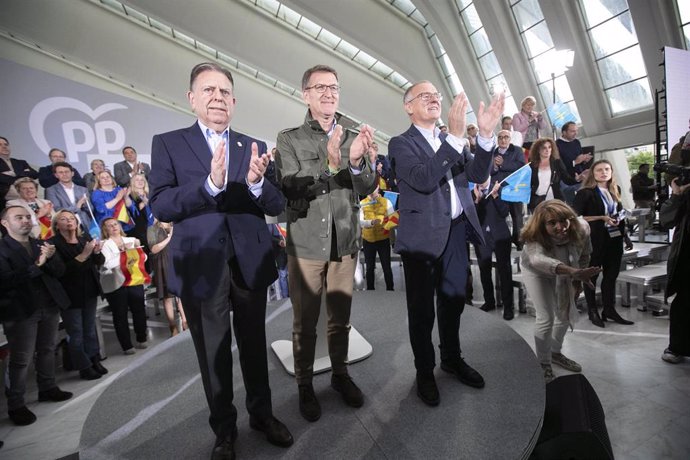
(156,408)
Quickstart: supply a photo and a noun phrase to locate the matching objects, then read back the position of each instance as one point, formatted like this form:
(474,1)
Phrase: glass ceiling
(289,16)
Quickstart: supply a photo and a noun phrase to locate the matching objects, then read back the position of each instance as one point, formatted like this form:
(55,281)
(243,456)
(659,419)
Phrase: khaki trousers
(307,279)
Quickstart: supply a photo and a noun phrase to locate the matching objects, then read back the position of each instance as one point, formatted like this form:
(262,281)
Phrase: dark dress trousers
(433,246)
(220,258)
(607,251)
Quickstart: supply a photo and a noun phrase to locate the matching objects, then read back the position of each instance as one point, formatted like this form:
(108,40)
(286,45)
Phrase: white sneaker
(141,345)
(566,363)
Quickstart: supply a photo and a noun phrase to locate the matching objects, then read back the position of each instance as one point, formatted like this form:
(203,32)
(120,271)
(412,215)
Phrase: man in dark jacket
(32,298)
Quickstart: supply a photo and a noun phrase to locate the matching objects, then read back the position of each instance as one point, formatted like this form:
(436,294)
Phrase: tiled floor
(646,401)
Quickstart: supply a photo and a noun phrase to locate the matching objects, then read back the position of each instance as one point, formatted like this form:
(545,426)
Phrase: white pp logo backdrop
(41,111)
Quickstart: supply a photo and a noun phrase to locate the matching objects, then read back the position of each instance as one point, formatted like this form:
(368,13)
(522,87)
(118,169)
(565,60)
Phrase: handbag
(111,279)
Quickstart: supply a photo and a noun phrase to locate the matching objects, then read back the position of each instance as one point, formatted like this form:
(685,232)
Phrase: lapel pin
(239,144)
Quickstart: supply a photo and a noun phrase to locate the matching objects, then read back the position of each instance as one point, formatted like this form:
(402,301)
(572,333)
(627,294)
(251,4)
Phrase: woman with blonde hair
(141,213)
(122,298)
(528,122)
(548,171)
(108,198)
(555,263)
(599,202)
(82,257)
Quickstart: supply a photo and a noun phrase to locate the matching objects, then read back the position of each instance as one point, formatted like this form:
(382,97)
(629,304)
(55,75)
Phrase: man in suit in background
(46,175)
(212,183)
(11,169)
(437,218)
(124,170)
(508,158)
(68,195)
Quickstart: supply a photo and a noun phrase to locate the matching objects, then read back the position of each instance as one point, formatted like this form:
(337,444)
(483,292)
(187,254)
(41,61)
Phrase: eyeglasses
(335,89)
(427,97)
(504,137)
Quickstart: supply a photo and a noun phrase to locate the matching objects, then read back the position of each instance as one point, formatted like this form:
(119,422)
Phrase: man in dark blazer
(30,307)
(213,184)
(75,201)
(437,218)
(124,170)
(508,158)
(11,169)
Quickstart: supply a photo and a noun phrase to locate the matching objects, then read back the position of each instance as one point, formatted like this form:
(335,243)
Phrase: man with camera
(674,214)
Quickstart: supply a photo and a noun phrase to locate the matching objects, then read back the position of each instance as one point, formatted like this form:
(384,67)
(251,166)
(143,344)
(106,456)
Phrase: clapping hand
(361,145)
(218,167)
(333,148)
(47,251)
(257,165)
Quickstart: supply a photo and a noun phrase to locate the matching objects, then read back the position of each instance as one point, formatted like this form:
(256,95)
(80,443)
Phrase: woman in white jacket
(121,298)
(555,262)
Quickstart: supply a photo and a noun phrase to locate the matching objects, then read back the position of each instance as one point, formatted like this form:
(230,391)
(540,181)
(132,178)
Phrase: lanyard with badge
(610,206)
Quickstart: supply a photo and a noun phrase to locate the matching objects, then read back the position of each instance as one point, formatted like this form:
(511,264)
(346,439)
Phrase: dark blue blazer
(424,201)
(513,159)
(209,230)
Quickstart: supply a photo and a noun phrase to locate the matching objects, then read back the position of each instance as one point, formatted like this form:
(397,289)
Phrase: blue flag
(392,197)
(517,187)
(560,114)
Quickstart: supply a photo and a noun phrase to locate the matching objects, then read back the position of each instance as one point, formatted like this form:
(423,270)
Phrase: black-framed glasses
(427,97)
(335,89)
(504,137)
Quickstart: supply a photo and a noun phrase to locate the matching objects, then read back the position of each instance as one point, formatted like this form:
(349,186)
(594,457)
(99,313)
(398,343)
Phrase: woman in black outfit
(547,173)
(82,256)
(599,202)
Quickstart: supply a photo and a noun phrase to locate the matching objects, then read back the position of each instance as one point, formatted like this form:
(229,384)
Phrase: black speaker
(574,425)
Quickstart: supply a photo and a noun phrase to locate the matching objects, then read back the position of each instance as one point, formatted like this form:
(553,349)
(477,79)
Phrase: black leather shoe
(427,389)
(508,313)
(488,307)
(98,367)
(308,404)
(54,394)
(463,372)
(614,316)
(89,374)
(276,432)
(351,393)
(594,317)
(224,448)
(22,416)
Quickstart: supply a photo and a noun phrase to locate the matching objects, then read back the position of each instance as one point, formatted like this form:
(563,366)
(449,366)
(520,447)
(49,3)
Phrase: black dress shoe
(22,416)
(594,317)
(351,393)
(463,372)
(98,367)
(309,406)
(427,389)
(614,316)
(54,394)
(488,307)
(224,448)
(276,432)
(508,313)
(89,374)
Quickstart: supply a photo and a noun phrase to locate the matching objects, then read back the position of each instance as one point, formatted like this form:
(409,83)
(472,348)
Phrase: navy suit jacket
(209,230)
(424,201)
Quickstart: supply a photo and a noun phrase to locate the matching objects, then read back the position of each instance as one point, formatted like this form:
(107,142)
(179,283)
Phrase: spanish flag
(390,222)
(132,266)
(46,230)
(121,213)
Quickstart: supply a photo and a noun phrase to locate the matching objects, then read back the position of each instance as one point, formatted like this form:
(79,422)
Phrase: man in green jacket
(322,170)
